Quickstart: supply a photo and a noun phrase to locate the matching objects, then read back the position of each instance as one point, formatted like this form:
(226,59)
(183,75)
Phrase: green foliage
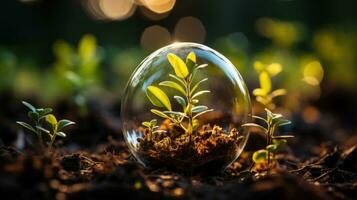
(152,126)
(265,95)
(274,143)
(8,64)
(79,68)
(182,82)
(158,97)
(41,117)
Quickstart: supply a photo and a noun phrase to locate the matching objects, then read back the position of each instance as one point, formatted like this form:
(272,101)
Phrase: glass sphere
(183,109)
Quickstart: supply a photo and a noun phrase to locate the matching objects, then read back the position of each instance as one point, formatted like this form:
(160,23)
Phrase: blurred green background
(59,50)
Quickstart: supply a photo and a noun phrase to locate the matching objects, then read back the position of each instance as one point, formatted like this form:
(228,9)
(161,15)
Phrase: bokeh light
(311,114)
(159,6)
(117,10)
(109,9)
(189,29)
(149,14)
(155,37)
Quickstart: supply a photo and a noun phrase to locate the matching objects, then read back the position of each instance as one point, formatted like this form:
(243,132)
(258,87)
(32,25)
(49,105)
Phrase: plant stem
(189,112)
(39,136)
(52,141)
(268,143)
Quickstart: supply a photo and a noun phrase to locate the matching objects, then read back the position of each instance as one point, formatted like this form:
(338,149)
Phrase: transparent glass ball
(190,133)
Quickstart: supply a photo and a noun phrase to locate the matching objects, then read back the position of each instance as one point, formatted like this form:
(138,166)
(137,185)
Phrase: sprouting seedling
(274,143)
(40,116)
(56,128)
(265,94)
(183,82)
(152,126)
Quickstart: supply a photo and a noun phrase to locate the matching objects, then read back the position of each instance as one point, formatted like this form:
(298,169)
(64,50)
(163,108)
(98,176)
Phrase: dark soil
(111,173)
(206,150)
(94,163)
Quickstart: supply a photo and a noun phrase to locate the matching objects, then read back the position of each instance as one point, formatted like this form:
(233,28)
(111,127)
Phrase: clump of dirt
(209,149)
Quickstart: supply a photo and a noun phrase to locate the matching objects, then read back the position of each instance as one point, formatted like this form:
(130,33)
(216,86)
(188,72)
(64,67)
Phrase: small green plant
(39,118)
(182,82)
(152,126)
(79,67)
(274,143)
(265,95)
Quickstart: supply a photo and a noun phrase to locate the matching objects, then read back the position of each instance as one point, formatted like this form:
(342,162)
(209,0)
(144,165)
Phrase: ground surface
(319,164)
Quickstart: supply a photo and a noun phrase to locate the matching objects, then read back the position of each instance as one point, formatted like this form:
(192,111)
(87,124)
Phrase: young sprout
(274,143)
(152,126)
(183,82)
(41,116)
(265,95)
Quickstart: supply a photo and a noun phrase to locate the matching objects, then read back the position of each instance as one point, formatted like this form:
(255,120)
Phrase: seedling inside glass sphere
(182,109)
(183,83)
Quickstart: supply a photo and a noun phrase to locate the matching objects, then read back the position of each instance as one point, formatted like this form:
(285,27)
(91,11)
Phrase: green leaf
(180,100)
(28,126)
(175,113)
(260,118)
(191,61)
(280,144)
(178,79)
(201,113)
(87,47)
(255,125)
(277,115)
(274,69)
(260,156)
(258,66)
(42,129)
(282,136)
(146,124)
(179,66)
(45,111)
(265,82)
(262,100)
(197,84)
(173,85)
(74,78)
(61,134)
(198,109)
(159,113)
(191,56)
(278,92)
(282,122)
(158,97)
(194,101)
(51,119)
(153,122)
(198,68)
(29,106)
(200,93)
(201,66)
(63,123)
(259,92)
(33,115)
(272,148)
(159,131)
